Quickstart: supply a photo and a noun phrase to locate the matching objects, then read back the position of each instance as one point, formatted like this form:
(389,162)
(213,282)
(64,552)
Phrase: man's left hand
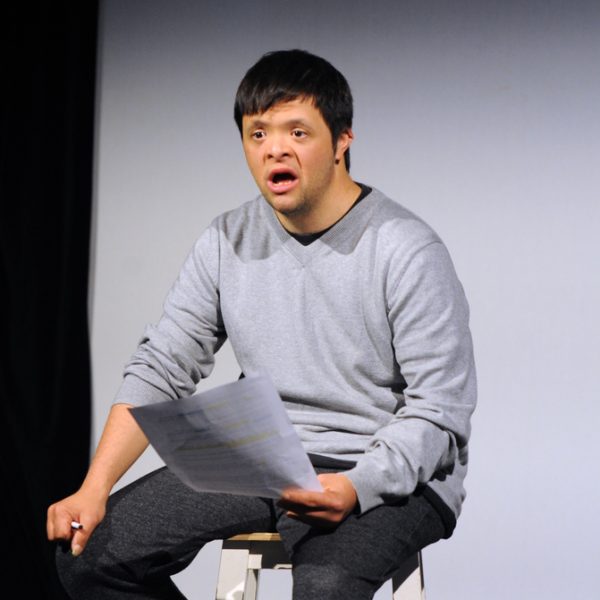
(323,509)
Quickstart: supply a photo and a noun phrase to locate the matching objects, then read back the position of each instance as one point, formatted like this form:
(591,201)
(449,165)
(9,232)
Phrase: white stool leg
(408,582)
(235,581)
(243,557)
(251,585)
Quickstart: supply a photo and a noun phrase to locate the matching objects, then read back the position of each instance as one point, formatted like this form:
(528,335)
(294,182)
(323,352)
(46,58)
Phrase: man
(351,303)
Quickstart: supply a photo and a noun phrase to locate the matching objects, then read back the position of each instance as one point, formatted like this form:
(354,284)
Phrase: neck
(323,212)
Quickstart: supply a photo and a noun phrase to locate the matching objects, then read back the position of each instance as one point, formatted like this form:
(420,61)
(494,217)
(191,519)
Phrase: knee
(74,572)
(329,581)
(87,575)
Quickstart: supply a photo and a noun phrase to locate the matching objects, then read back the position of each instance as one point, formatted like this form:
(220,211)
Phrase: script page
(236,438)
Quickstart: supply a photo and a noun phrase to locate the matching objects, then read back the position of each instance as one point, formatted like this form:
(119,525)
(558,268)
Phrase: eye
(257,135)
(298,133)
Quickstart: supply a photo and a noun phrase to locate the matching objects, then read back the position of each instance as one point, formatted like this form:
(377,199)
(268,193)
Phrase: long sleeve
(179,350)
(427,436)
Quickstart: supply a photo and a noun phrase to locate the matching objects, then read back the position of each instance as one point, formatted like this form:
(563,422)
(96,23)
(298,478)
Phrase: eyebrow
(254,124)
(289,123)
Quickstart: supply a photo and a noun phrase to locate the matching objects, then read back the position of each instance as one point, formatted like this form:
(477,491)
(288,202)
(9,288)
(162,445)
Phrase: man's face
(291,156)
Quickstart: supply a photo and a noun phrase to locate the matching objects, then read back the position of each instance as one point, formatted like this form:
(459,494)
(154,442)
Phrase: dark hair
(285,75)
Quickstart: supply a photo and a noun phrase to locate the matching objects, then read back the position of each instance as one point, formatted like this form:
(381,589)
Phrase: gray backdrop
(482,117)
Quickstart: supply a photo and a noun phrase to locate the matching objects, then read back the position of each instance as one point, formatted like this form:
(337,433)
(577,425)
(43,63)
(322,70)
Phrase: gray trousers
(155,527)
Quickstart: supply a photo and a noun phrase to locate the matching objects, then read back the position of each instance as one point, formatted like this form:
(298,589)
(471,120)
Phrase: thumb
(80,539)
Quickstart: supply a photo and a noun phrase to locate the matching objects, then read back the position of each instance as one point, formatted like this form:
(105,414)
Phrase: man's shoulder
(230,226)
(396,224)
(248,230)
(241,216)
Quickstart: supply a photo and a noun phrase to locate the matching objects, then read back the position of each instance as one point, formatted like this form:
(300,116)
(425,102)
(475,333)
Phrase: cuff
(364,479)
(138,392)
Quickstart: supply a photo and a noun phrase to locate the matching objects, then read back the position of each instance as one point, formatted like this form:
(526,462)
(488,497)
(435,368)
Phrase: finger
(300,507)
(78,542)
(77,547)
(305,497)
(329,501)
(61,524)
(50,523)
(320,519)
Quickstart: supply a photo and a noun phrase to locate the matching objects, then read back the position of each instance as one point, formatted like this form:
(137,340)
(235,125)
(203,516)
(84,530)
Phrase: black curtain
(48,57)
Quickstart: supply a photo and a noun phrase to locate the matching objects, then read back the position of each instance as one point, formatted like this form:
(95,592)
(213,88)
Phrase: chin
(283,205)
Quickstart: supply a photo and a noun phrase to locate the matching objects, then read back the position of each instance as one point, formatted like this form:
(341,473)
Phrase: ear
(343,143)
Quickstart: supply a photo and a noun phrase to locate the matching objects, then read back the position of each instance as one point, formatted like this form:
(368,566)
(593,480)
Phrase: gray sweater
(364,333)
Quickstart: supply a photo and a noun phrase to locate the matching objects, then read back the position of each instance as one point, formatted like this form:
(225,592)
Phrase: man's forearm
(121,444)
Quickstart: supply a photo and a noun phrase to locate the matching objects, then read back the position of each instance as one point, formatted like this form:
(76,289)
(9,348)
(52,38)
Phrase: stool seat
(243,556)
(264,536)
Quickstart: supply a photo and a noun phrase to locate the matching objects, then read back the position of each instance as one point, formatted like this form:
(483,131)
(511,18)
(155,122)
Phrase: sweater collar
(353,221)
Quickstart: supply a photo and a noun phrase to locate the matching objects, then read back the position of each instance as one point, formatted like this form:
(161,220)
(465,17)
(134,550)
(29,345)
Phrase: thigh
(157,524)
(356,558)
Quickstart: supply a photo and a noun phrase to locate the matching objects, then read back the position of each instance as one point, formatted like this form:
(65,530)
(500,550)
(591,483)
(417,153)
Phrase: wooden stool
(243,556)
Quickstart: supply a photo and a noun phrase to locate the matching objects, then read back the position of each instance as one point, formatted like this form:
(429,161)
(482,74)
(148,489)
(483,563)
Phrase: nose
(277,146)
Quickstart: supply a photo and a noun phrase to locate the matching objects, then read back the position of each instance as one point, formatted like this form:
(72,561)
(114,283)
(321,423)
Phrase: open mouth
(282,180)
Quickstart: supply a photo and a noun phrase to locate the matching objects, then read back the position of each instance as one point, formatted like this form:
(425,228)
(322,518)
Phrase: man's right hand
(86,508)
(121,444)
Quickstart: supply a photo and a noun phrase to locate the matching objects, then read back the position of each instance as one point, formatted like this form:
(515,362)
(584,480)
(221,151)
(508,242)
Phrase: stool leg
(408,582)
(251,585)
(233,572)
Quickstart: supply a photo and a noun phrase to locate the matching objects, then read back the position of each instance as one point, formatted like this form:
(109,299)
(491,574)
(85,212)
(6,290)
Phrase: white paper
(236,438)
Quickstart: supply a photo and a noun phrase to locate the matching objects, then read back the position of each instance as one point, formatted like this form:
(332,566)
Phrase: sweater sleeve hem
(368,498)
(138,392)
(362,480)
